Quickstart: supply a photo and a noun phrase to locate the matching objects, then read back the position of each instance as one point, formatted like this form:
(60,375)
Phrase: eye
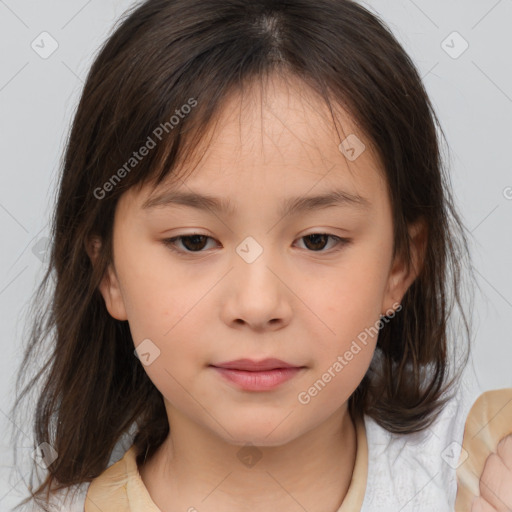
(192,243)
(195,243)
(317,241)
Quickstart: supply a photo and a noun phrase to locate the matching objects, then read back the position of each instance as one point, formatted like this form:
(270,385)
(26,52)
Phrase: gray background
(471,91)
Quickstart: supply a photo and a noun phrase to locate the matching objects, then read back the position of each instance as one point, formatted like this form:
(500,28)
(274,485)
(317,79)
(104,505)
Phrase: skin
(496,480)
(299,302)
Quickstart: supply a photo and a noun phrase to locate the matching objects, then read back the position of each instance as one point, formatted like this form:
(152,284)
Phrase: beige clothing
(120,488)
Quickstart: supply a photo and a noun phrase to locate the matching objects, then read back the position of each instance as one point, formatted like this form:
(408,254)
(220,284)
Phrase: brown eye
(316,242)
(191,243)
(196,243)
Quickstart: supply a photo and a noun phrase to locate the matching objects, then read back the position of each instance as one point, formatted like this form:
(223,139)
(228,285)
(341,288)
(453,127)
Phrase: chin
(260,436)
(259,441)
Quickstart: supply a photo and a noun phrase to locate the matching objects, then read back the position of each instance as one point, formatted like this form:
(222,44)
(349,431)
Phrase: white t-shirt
(417,472)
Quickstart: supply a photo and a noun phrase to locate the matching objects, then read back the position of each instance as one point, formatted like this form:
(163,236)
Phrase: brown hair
(165,54)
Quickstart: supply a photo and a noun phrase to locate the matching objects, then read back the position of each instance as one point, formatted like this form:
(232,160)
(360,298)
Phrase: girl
(256,254)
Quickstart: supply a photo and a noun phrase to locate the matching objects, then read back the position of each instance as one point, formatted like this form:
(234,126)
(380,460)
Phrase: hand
(496,481)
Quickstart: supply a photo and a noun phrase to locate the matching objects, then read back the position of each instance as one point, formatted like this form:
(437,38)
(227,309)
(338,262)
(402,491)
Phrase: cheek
(162,306)
(156,294)
(337,374)
(342,357)
(350,300)
(350,305)
(174,347)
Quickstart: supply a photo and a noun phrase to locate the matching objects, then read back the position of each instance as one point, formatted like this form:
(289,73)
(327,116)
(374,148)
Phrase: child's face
(304,301)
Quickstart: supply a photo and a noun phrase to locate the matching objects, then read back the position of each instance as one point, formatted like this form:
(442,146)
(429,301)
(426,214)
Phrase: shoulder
(489,420)
(417,472)
(108,491)
(489,413)
(120,488)
(73,498)
(70,499)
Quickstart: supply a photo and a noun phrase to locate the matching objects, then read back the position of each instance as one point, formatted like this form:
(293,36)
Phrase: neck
(193,467)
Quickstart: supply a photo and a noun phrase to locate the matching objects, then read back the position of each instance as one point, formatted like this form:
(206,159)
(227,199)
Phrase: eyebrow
(289,206)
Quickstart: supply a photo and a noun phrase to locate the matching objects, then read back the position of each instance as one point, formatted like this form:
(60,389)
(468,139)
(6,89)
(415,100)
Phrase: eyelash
(171,243)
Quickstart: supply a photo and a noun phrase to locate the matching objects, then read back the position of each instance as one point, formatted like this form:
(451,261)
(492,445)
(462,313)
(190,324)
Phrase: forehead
(277,138)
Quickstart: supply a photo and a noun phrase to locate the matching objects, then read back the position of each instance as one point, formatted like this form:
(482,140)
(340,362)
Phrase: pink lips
(257,375)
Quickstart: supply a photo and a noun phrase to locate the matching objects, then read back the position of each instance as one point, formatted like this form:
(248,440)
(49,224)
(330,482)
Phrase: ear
(109,285)
(401,277)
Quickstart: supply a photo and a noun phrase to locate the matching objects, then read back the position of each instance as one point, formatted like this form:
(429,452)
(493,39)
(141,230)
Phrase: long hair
(167,54)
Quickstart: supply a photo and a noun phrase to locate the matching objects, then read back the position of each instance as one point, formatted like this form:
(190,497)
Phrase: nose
(258,294)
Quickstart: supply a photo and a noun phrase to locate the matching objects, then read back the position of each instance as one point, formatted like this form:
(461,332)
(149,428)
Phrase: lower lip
(258,381)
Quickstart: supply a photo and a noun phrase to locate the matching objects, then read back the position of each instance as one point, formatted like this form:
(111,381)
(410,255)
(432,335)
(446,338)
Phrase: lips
(250,375)
(255,366)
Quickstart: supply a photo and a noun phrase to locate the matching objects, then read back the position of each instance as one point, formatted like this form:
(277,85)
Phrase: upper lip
(251,365)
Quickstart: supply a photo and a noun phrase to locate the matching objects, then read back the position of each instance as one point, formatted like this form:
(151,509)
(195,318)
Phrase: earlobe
(401,275)
(109,285)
